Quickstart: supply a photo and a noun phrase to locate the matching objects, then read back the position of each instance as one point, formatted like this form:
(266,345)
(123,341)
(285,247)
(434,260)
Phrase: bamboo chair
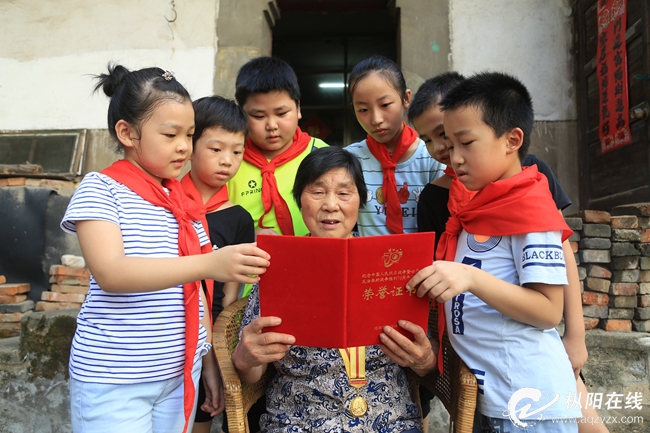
(456,388)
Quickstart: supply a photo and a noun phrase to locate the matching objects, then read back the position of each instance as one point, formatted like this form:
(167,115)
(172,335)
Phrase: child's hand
(577,351)
(215,401)
(256,349)
(265,232)
(443,280)
(237,262)
(419,355)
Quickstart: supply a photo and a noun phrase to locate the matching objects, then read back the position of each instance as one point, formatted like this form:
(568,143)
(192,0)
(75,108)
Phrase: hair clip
(168,75)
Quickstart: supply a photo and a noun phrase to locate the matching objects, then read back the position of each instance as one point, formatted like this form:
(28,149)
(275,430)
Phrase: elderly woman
(312,391)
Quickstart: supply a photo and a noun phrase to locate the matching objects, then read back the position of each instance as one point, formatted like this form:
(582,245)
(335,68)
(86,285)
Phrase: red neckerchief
(517,205)
(270,194)
(388,165)
(185,211)
(459,196)
(213,204)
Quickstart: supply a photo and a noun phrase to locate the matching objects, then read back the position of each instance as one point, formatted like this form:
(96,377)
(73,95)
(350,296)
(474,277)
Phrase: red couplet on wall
(614,128)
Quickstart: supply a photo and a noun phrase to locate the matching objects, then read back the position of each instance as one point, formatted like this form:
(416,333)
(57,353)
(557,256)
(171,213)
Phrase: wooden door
(622,175)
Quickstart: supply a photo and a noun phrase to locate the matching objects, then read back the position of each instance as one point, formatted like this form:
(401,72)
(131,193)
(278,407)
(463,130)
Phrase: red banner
(614,128)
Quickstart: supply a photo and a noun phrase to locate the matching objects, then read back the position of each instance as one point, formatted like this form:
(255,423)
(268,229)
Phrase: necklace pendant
(358,406)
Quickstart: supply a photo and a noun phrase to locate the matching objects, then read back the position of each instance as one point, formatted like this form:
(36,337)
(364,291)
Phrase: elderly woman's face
(330,205)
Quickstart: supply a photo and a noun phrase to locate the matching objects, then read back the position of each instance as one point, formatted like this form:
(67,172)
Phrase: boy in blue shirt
(503,292)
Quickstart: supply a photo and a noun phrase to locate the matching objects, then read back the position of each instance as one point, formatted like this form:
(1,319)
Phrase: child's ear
(515,138)
(125,133)
(298,108)
(407,98)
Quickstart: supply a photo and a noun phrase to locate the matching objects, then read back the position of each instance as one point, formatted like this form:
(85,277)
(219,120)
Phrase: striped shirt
(125,338)
(411,177)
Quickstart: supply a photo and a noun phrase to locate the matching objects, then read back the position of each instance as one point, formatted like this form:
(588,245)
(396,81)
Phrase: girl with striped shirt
(142,334)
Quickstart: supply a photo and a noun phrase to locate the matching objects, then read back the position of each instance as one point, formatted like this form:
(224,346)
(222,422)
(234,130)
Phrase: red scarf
(213,204)
(459,196)
(517,205)
(270,194)
(185,211)
(388,164)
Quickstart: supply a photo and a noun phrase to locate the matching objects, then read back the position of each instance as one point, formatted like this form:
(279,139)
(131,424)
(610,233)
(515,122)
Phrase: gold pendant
(358,406)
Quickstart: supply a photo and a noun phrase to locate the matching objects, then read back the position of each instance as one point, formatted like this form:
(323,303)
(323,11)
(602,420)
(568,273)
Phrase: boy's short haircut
(218,112)
(432,91)
(264,75)
(503,99)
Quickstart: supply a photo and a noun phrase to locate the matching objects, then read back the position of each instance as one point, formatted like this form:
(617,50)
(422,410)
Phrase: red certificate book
(339,293)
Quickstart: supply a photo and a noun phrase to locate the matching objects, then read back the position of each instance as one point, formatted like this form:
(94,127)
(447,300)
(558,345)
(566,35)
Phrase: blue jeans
(137,408)
(484,424)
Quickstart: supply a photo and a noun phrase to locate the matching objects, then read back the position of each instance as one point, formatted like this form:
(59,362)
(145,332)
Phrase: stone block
(595,216)
(574,223)
(644,276)
(595,244)
(73,261)
(624,289)
(641,325)
(644,301)
(56,306)
(19,307)
(616,325)
(644,289)
(62,288)
(574,247)
(62,297)
(644,250)
(638,209)
(45,339)
(644,263)
(596,231)
(590,322)
(622,301)
(598,311)
(644,223)
(70,280)
(598,284)
(582,273)
(620,313)
(626,276)
(642,313)
(598,272)
(576,257)
(626,235)
(622,249)
(630,262)
(625,222)
(67,270)
(594,256)
(595,298)
(575,237)
(582,286)
(14,289)
(12,299)
(12,317)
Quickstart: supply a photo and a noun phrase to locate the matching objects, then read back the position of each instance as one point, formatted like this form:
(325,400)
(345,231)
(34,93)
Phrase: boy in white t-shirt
(503,292)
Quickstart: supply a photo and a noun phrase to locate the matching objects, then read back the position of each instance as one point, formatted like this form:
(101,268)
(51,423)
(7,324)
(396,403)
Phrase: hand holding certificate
(332,292)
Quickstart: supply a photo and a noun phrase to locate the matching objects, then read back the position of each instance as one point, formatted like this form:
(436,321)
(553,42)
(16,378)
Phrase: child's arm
(536,304)
(574,327)
(103,249)
(214,393)
(230,291)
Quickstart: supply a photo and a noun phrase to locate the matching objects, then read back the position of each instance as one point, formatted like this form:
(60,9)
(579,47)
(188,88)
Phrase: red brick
(10,326)
(12,181)
(2,279)
(644,276)
(62,297)
(63,288)
(52,306)
(644,300)
(67,270)
(645,236)
(69,280)
(55,184)
(14,289)
(625,289)
(598,284)
(599,272)
(574,246)
(593,298)
(591,322)
(11,317)
(6,333)
(625,222)
(596,216)
(616,325)
(12,299)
